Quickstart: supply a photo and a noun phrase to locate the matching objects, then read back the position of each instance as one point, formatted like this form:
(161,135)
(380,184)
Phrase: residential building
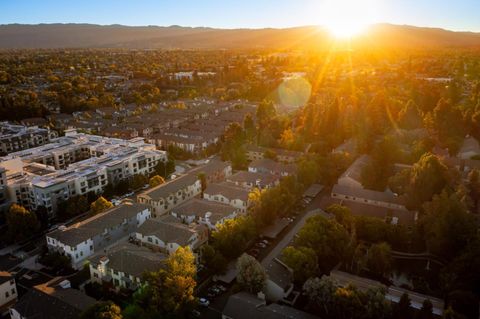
(54,299)
(8,291)
(167,236)
(469,149)
(282,155)
(279,284)
(163,198)
(215,170)
(85,238)
(385,199)
(123,266)
(204,212)
(244,305)
(15,138)
(268,166)
(352,176)
(228,193)
(75,164)
(250,180)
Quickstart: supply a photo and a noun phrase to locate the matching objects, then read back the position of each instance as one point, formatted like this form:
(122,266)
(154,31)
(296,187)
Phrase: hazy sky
(449,14)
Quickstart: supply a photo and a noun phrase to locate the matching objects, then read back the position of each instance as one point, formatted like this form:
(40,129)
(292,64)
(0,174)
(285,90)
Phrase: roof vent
(65,284)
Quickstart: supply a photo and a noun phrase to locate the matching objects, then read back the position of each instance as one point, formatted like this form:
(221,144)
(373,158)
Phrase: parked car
(254,252)
(195,313)
(266,242)
(221,288)
(145,186)
(115,202)
(129,194)
(204,302)
(260,245)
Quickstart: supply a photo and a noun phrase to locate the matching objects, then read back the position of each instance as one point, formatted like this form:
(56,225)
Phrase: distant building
(83,239)
(470,148)
(282,155)
(268,166)
(250,180)
(15,138)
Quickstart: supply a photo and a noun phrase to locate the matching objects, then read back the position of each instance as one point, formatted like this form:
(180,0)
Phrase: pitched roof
(228,190)
(200,207)
(245,305)
(168,232)
(271,165)
(5,276)
(95,225)
(385,197)
(132,259)
(279,273)
(50,301)
(170,187)
(253,178)
(355,170)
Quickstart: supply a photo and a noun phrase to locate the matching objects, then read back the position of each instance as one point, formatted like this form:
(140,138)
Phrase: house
(279,284)
(250,180)
(83,239)
(8,291)
(268,166)
(167,236)
(164,197)
(123,266)
(470,148)
(204,212)
(244,305)
(54,299)
(228,193)
(392,293)
(349,147)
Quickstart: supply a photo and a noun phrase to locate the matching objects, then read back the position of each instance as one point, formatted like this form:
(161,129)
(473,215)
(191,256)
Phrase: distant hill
(14,36)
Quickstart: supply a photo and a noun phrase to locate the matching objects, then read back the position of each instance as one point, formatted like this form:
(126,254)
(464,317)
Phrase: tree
(203,180)
(343,215)
(138,181)
(233,235)
(100,205)
(426,310)
(270,154)
(213,260)
(473,186)
(320,294)
(303,262)
(318,233)
(402,309)
(428,177)
(170,290)
(102,310)
(73,206)
(379,259)
(21,223)
(165,169)
(156,180)
(251,275)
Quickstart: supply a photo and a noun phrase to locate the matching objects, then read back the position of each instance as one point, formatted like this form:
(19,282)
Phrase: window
(13,291)
(7,294)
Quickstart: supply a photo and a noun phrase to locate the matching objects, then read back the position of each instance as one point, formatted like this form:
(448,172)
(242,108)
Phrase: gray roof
(132,259)
(244,305)
(228,190)
(168,232)
(355,170)
(95,225)
(385,197)
(252,178)
(170,187)
(48,301)
(279,273)
(271,165)
(200,207)
(214,165)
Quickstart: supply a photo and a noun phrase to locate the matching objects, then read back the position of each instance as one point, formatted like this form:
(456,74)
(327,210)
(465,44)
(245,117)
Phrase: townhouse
(269,166)
(123,266)
(163,198)
(205,212)
(250,180)
(228,193)
(285,156)
(83,239)
(168,234)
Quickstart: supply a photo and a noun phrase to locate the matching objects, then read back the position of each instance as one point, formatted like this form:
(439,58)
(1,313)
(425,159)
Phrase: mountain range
(18,36)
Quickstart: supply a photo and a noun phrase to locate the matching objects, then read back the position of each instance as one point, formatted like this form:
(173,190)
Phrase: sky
(458,15)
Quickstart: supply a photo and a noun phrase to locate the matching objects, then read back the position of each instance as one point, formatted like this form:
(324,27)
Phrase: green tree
(138,181)
(303,262)
(203,180)
(156,180)
(233,235)
(165,169)
(426,312)
(402,309)
(320,294)
(213,260)
(379,259)
(21,223)
(102,310)
(251,275)
(318,233)
(100,205)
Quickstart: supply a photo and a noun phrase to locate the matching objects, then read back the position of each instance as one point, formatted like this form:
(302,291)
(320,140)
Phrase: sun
(347,18)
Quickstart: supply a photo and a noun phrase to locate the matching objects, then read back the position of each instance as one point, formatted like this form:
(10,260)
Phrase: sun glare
(347,18)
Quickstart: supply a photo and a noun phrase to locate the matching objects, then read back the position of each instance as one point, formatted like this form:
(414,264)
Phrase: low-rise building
(250,180)
(228,193)
(83,239)
(15,138)
(8,291)
(54,299)
(282,155)
(279,284)
(385,199)
(123,266)
(204,212)
(163,198)
(268,166)
(167,236)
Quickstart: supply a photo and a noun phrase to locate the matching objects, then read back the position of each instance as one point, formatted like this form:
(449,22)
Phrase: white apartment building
(8,291)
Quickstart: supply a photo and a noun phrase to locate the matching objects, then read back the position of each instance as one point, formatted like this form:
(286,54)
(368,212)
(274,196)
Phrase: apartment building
(18,137)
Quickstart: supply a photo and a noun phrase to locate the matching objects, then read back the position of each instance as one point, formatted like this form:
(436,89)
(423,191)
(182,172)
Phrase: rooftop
(228,190)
